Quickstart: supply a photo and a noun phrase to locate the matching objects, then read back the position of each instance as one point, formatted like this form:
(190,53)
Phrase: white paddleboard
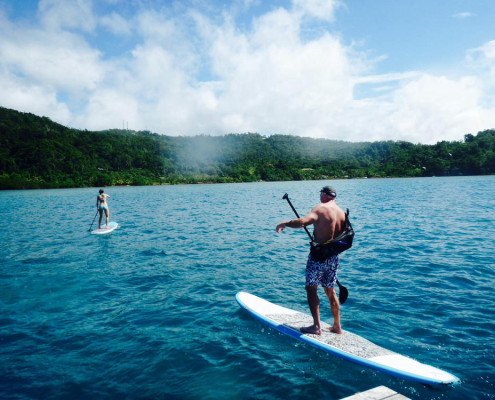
(348,346)
(111,226)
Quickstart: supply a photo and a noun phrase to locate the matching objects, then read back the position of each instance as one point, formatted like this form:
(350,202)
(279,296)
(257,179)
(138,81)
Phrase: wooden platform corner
(378,393)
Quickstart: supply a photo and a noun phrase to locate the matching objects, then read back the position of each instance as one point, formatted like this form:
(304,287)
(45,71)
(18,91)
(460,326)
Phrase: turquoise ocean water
(149,311)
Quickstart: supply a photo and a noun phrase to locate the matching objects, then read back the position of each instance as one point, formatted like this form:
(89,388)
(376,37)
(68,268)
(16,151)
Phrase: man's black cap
(329,190)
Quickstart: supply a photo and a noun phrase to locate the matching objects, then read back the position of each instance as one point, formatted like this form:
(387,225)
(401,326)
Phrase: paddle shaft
(93,221)
(341,287)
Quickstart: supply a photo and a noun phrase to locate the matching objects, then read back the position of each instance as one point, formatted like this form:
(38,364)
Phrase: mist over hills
(36,152)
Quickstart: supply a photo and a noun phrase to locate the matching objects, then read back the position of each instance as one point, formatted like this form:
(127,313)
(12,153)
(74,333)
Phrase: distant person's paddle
(343,292)
(93,221)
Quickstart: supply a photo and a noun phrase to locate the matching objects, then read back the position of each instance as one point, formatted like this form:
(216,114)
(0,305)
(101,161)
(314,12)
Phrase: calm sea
(148,311)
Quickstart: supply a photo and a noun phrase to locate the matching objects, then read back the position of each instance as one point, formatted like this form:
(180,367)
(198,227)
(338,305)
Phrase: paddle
(93,221)
(343,292)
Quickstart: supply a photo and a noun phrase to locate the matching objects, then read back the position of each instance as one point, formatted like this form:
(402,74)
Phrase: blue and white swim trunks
(322,273)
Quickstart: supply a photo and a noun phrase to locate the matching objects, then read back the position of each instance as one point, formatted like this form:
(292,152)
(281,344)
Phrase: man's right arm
(294,223)
(309,219)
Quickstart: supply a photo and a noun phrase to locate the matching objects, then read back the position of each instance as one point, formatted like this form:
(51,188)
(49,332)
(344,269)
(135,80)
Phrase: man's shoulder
(333,210)
(339,210)
(319,208)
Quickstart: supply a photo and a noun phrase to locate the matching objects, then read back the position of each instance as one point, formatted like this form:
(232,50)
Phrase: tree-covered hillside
(36,152)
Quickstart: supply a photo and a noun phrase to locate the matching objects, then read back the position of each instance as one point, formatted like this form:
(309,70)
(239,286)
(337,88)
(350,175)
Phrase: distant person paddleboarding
(101,205)
(328,221)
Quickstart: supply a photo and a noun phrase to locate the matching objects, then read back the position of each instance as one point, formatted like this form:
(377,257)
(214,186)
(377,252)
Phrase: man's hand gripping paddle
(343,292)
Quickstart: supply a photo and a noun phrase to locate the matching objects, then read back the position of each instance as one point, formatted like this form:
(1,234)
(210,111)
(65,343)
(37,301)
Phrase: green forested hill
(36,152)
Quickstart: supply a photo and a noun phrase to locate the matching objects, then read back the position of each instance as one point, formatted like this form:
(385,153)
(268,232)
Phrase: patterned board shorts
(322,273)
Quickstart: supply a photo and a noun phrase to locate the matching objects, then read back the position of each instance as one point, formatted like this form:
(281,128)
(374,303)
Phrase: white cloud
(27,97)
(482,62)
(109,108)
(72,14)
(424,109)
(483,57)
(442,107)
(463,15)
(116,24)
(58,60)
(272,82)
(38,67)
(320,9)
(171,35)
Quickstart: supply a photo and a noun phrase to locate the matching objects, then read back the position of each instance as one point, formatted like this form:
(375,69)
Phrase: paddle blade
(343,293)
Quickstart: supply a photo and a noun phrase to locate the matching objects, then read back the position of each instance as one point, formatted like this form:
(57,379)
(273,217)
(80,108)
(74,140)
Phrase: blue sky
(421,71)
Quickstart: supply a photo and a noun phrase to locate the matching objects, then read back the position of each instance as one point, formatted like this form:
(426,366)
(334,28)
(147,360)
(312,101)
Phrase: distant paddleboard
(348,346)
(111,227)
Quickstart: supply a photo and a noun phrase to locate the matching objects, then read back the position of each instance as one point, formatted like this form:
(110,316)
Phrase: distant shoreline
(228,183)
(37,153)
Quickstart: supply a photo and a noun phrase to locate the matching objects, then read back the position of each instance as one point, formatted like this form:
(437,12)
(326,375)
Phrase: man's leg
(314,307)
(107,214)
(335,306)
(99,221)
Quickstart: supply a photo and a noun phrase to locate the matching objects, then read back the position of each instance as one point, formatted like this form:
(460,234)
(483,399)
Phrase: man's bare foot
(313,330)
(333,329)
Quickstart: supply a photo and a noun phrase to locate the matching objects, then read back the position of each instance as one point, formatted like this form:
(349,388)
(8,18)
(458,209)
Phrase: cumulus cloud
(193,73)
(320,9)
(61,61)
(422,108)
(116,24)
(484,58)
(445,107)
(59,14)
(38,67)
(37,99)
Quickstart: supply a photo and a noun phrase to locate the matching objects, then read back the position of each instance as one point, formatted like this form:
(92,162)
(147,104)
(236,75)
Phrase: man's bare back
(329,221)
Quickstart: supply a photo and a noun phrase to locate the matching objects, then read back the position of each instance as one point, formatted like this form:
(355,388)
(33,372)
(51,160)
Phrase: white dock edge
(378,393)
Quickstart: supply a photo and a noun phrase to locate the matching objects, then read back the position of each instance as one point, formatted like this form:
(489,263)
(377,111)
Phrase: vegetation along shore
(36,152)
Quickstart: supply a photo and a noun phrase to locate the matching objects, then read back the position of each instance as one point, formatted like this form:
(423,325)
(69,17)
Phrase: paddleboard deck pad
(111,226)
(348,346)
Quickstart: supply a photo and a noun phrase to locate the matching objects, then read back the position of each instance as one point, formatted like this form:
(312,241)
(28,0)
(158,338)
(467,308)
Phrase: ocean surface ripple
(149,310)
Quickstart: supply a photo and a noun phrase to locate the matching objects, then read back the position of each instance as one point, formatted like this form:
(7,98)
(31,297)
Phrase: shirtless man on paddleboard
(328,221)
